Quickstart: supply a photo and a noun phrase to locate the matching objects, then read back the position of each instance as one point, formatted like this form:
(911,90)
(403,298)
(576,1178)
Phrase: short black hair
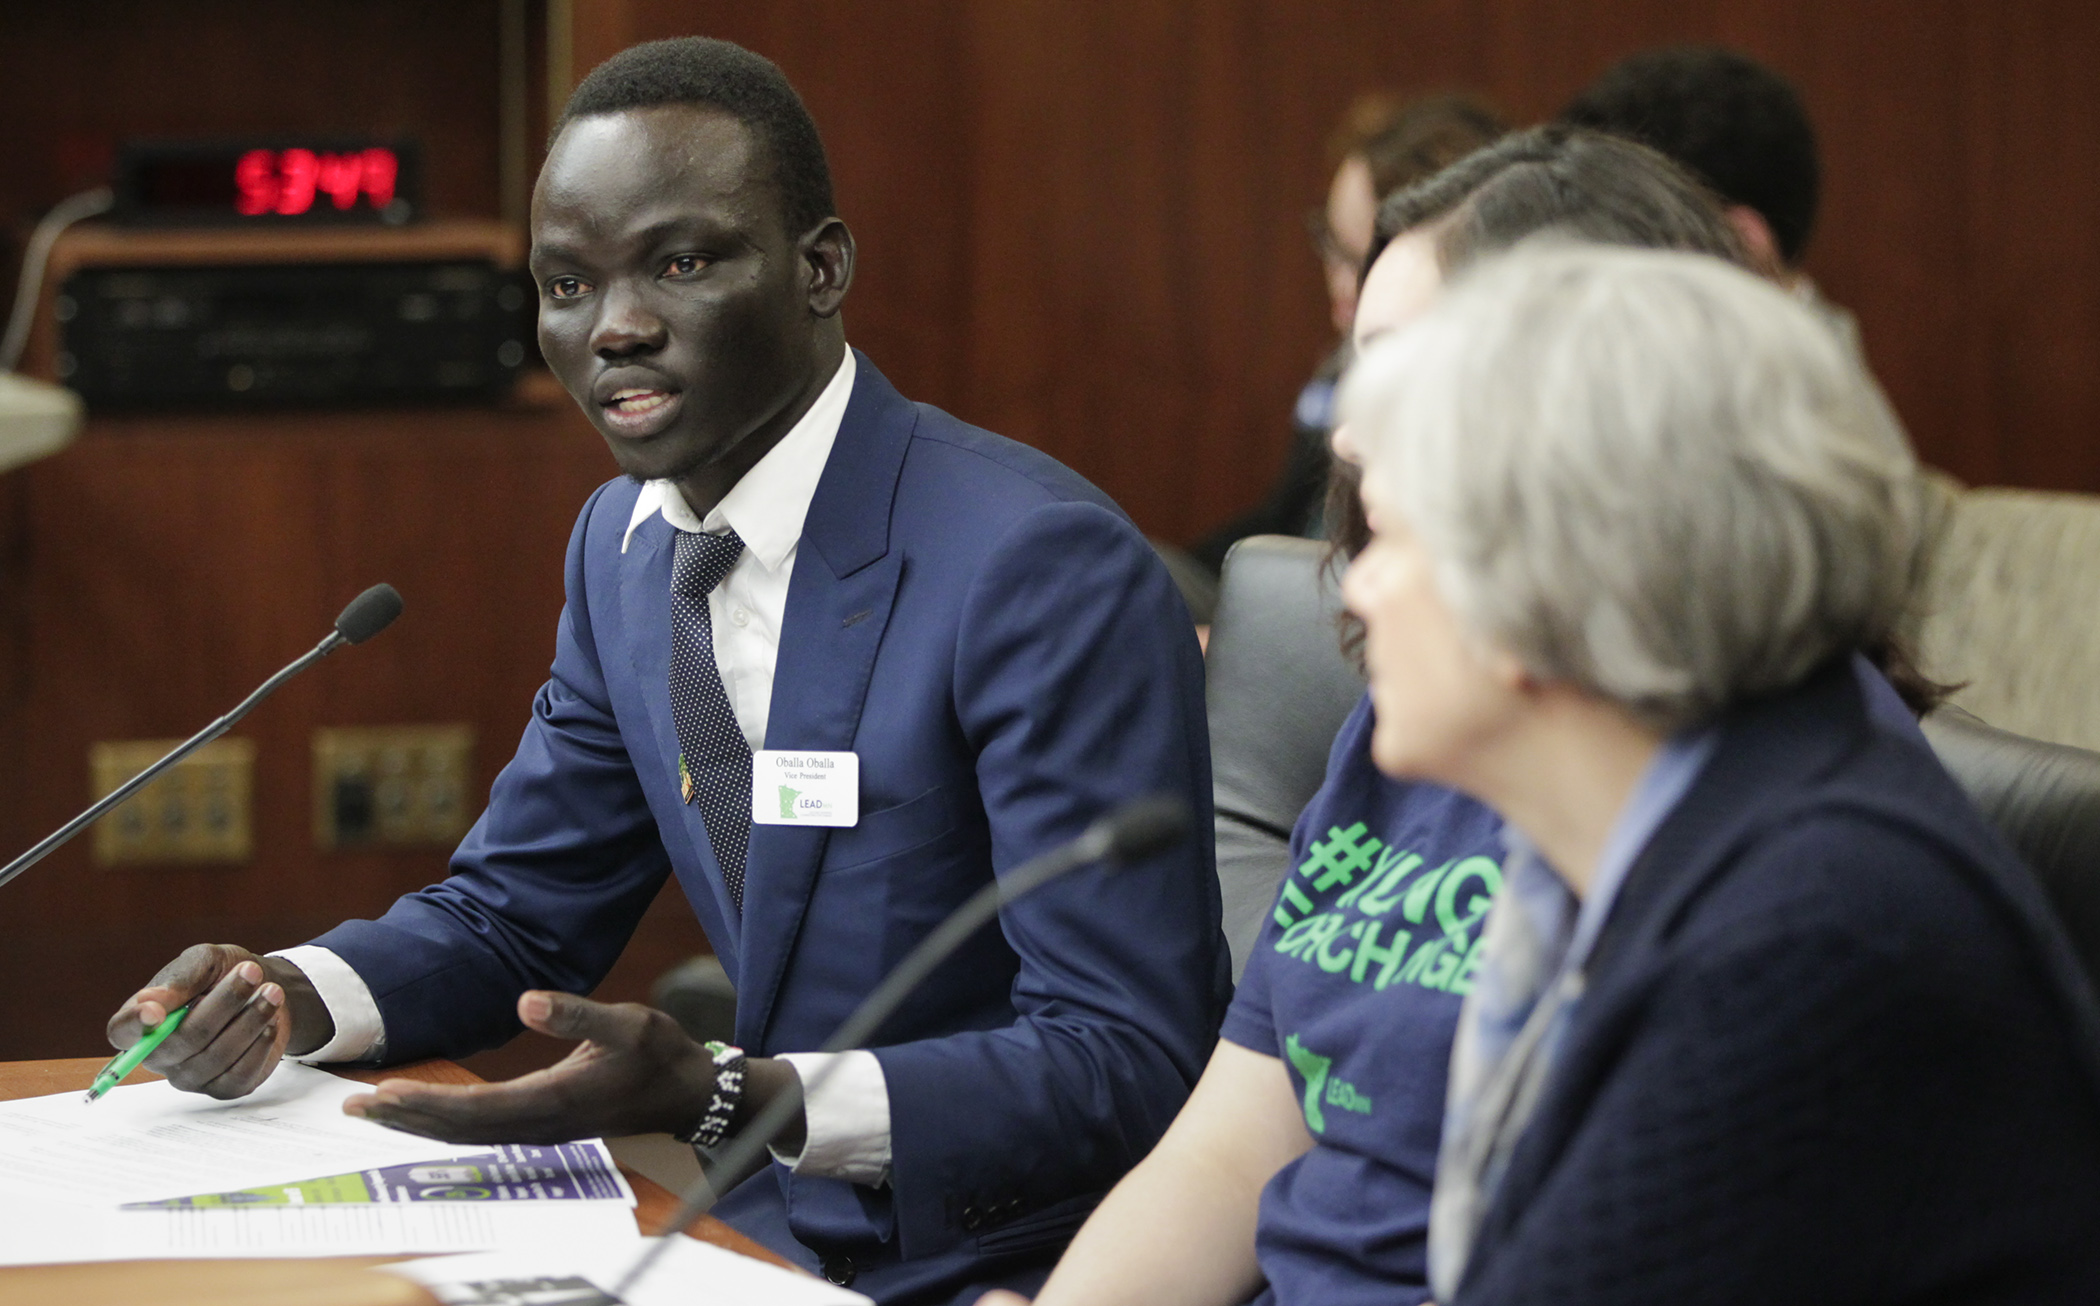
(720,75)
(1728,118)
(1587,185)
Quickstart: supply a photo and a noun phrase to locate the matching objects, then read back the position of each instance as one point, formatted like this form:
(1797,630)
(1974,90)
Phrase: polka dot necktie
(714,762)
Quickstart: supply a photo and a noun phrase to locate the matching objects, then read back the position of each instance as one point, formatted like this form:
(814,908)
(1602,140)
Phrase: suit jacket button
(840,1269)
(972,1219)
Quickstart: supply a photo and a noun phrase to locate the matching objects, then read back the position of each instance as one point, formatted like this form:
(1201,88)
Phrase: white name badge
(804,788)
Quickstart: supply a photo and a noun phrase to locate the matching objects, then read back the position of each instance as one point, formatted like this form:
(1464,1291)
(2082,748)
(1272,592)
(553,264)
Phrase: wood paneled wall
(76,78)
(1081,225)
(1082,222)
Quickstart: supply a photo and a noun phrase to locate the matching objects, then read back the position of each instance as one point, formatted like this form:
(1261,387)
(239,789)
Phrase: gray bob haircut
(1645,473)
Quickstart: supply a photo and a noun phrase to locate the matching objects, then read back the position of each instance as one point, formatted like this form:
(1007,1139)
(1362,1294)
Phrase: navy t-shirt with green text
(1355,983)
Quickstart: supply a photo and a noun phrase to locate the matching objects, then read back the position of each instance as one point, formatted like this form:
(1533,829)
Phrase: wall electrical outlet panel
(392,786)
(200,810)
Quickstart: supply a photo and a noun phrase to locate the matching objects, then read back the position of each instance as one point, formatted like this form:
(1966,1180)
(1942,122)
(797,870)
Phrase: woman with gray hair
(1764,1012)
(1299,1172)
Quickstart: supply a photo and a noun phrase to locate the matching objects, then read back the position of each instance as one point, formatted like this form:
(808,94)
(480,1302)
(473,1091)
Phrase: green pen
(128,1060)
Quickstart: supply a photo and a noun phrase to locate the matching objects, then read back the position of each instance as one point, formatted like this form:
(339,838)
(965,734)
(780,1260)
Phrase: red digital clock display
(290,182)
(250,183)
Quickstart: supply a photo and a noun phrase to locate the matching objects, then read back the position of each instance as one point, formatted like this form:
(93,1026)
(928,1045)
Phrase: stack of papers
(149,1172)
(513,1172)
(688,1272)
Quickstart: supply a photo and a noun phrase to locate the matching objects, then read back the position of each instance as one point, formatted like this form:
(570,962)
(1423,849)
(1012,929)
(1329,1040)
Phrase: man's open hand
(635,1072)
(245,1011)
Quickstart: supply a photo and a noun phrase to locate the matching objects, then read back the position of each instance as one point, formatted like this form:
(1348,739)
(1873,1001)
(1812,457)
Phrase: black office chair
(2045,799)
(1199,588)
(1279,688)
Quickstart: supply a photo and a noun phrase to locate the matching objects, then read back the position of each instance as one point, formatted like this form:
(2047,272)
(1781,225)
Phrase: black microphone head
(1144,826)
(369,613)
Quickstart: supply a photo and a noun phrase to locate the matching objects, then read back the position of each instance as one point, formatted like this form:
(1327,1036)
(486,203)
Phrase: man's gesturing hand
(636,1072)
(245,1012)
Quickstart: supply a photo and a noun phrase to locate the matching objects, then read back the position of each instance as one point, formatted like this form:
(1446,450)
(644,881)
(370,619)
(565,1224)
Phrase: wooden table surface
(332,1281)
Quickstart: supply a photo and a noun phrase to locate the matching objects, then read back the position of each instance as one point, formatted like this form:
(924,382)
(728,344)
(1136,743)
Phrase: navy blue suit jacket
(1834,1048)
(1010,660)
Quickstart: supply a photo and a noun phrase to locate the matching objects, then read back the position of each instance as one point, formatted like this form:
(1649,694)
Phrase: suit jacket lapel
(839,598)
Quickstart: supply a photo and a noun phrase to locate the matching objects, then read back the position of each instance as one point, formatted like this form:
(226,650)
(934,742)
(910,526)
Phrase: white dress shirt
(848,1135)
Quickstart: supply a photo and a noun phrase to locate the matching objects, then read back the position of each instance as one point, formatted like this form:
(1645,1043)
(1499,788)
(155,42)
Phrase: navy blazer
(1010,660)
(1834,1048)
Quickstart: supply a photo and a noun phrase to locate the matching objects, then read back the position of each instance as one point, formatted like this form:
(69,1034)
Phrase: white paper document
(689,1273)
(47,1235)
(149,1141)
(66,1166)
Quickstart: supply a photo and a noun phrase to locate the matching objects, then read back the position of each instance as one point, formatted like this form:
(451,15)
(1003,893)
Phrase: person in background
(1301,1167)
(1381,145)
(1766,1012)
(1741,128)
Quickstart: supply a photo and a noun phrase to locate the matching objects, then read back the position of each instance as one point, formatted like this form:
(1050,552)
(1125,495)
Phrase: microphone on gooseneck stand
(368,614)
(1135,830)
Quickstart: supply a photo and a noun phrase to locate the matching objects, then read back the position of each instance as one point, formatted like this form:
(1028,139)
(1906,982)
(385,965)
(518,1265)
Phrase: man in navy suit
(800,569)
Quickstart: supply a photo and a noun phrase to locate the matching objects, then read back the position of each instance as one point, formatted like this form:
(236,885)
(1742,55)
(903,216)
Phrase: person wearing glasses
(1382,145)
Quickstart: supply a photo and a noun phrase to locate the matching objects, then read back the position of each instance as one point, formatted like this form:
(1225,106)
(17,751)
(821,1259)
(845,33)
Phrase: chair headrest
(1279,684)
(2045,800)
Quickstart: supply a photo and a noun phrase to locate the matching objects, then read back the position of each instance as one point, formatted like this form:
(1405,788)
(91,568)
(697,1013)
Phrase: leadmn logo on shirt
(1319,1088)
(1431,941)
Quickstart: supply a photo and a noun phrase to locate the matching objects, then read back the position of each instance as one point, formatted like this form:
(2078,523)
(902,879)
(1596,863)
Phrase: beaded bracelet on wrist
(722,1100)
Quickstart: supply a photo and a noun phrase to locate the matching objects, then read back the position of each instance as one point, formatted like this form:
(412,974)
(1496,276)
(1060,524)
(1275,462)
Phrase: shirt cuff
(847,1131)
(360,1035)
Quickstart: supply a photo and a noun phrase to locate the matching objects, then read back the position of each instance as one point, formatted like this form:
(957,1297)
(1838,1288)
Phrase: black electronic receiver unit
(313,317)
(278,334)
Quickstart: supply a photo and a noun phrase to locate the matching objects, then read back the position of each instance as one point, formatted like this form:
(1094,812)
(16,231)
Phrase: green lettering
(1483,869)
(1342,1093)
(1308,934)
(1293,896)
(1340,857)
(1462,983)
(1293,938)
(1416,904)
(1325,927)
(1379,901)
(1385,859)
(1368,951)
(1328,961)
(1411,973)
